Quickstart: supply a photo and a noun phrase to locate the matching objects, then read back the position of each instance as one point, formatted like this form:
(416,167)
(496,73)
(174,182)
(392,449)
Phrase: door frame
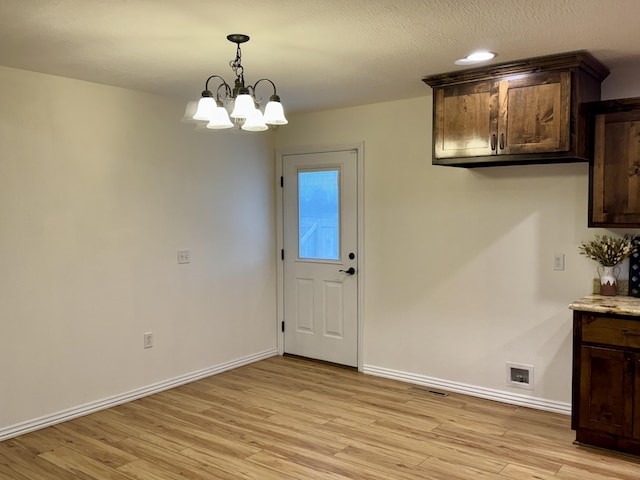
(280,154)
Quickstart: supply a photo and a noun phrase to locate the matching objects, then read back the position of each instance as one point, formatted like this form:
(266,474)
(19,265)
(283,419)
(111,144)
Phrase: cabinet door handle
(627,333)
(493,141)
(502,141)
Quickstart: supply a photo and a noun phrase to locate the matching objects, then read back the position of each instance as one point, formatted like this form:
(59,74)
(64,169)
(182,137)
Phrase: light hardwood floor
(288,418)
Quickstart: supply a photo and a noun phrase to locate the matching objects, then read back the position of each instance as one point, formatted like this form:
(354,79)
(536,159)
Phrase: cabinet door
(615,182)
(534,113)
(636,400)
(465,120)
(606,390)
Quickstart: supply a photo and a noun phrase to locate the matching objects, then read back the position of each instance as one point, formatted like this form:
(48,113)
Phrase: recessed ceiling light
(476,57)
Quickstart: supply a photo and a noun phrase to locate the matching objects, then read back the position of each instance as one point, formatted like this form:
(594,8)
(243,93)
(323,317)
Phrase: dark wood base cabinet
(606,380)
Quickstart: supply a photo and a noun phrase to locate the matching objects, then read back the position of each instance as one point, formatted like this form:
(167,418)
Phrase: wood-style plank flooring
(288,418)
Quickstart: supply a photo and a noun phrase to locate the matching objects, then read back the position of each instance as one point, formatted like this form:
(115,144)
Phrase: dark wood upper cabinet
(535,114)
(465,120)
(530,111)
(614,186)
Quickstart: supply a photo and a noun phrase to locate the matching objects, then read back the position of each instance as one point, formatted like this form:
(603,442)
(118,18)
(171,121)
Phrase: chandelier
(241,100)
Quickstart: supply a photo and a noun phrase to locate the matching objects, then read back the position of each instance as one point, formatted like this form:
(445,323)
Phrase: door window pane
(318,215)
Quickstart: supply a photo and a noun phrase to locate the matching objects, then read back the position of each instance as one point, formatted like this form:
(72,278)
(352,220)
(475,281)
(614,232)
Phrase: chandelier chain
(236,64)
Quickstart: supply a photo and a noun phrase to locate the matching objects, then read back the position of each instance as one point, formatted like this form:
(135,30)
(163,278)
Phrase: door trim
(280,153)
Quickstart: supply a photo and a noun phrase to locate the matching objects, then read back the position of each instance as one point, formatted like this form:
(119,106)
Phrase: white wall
(622,83)
(99,188)
(458,271)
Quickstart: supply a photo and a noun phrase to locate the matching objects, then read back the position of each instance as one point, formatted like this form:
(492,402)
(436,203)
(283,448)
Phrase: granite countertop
(620,304)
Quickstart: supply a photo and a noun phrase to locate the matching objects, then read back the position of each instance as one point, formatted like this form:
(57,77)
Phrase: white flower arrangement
(608,251)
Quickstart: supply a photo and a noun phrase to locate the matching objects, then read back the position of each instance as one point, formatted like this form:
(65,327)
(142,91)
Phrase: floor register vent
(520,376)
(430,392)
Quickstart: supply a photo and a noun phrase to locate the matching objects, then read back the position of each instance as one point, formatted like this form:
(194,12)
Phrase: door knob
(349,271)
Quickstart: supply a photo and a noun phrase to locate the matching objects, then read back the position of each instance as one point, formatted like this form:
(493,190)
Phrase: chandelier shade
(243,106)
(242,100)
(255,122)
(220,118)
(274,113)
(206,109)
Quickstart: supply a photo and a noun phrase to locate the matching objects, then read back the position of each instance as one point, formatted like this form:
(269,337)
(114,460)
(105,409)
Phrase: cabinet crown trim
(578,59)
(614,106)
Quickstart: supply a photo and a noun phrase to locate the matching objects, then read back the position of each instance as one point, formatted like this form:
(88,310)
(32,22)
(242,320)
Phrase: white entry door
(320,221)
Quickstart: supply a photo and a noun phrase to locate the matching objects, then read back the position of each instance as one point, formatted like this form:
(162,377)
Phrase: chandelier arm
(227,90)
(252,91)
(206,85)
(265,80)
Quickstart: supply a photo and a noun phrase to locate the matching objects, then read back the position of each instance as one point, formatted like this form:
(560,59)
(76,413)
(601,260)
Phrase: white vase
(608,277)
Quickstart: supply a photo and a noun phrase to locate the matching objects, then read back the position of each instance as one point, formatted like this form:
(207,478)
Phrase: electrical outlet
(148,340)
(558,261)
(184,256)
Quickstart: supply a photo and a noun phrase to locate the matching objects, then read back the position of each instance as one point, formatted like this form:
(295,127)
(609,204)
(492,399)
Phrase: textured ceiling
(320,53)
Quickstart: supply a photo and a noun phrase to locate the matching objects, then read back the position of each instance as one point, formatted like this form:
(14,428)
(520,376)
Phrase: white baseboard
(91,407)
(471,390)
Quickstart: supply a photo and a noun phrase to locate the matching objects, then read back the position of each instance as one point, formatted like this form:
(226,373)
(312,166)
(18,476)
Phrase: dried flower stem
(607,251)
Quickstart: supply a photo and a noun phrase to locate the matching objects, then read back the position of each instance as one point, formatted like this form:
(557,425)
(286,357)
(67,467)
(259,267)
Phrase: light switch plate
(148,340)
